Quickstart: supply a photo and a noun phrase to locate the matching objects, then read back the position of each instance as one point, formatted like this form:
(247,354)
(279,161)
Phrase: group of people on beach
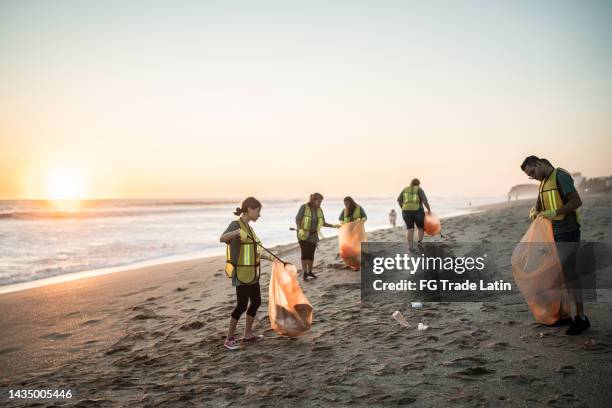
(558,201)
(244,249)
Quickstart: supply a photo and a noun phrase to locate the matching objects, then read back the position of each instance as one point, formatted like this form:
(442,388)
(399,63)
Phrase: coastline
(163,260)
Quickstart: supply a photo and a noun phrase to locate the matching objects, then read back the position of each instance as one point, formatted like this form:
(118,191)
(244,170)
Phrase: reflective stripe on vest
(307,221)
(356,214)
(411,199)
(550,197)
(247,268)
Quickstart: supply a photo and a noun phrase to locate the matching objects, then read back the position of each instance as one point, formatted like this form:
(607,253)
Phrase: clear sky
(273,99)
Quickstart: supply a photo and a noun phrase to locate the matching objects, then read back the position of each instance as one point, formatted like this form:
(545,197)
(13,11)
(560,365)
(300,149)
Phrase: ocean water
(37,241)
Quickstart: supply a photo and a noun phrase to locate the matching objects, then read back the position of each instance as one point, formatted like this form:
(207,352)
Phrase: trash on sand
(416,305)
(422,327)
(397,315)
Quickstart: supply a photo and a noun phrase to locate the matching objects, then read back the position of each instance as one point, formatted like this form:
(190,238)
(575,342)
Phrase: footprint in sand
(563,400)
(195,325)
(140,291)
(467,361)
(56,336)
(145,315)
(90,322)
(566,370)
(472,373)
(521,379)
(9,350)
(119,348)
(498,346)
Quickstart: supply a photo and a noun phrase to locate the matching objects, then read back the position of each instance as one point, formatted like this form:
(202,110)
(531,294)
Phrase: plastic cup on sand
(397,315)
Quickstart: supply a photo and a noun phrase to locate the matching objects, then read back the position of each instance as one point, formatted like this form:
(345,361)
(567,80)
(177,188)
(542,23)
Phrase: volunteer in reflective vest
(243,256)
(558,201)
(309,221)
(352,211)
(411,200)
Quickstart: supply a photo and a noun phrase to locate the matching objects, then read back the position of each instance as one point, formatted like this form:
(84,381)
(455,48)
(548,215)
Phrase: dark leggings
(308,250)
(243,294)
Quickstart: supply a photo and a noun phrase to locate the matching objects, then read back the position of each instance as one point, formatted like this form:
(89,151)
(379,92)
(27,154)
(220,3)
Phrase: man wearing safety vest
(411,200)
(309,221)
(558,201)
(352,211)
(242,265)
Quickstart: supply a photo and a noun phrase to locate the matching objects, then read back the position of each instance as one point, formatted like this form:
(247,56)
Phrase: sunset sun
(65,184)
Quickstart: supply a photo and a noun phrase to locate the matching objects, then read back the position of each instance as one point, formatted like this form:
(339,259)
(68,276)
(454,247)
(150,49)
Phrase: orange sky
(204,101)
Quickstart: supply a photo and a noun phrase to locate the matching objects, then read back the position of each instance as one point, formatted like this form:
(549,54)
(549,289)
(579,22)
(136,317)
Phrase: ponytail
(249,202)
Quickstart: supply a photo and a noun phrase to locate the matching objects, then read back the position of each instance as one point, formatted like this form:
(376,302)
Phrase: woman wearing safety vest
(243,256)
(558,201)
(352,211)
(309,221)
(411,200)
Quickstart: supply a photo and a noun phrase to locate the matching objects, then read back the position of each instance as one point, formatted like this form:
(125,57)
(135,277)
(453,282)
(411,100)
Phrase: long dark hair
(249,202)
(351,205)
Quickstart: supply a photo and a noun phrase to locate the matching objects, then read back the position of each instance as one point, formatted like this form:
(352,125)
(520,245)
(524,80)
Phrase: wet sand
(153,337)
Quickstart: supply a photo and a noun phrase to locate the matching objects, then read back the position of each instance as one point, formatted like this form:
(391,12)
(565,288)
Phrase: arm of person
(364,217)
(299,217)
(400,198)
(573,202)
(566,186)
(267,256)
(327,224)
(423,198)
(228,236)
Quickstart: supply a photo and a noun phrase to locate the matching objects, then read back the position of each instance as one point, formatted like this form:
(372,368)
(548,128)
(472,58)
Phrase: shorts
(414,217)
(308,250)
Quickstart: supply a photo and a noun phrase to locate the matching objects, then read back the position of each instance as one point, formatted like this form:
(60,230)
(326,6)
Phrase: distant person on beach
(558,201)
(392,217)
(309,221)
(411,200)
(242,265)
(352,211)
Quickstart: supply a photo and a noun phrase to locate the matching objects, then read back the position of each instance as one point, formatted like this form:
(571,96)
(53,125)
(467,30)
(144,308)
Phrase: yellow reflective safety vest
(304,231)
(356,214)
(247,268)
(550,197)
(412,201)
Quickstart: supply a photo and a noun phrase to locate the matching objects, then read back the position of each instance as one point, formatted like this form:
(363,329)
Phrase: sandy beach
(154,337)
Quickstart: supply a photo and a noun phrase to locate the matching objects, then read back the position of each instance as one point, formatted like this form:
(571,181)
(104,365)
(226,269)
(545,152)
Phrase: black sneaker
(578,326)
(312,275)
(305,276)
(561,322)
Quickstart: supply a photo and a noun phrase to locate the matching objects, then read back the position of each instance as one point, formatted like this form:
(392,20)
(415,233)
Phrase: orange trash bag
(432,224)
(350,237)
(289,310)
(537,272)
